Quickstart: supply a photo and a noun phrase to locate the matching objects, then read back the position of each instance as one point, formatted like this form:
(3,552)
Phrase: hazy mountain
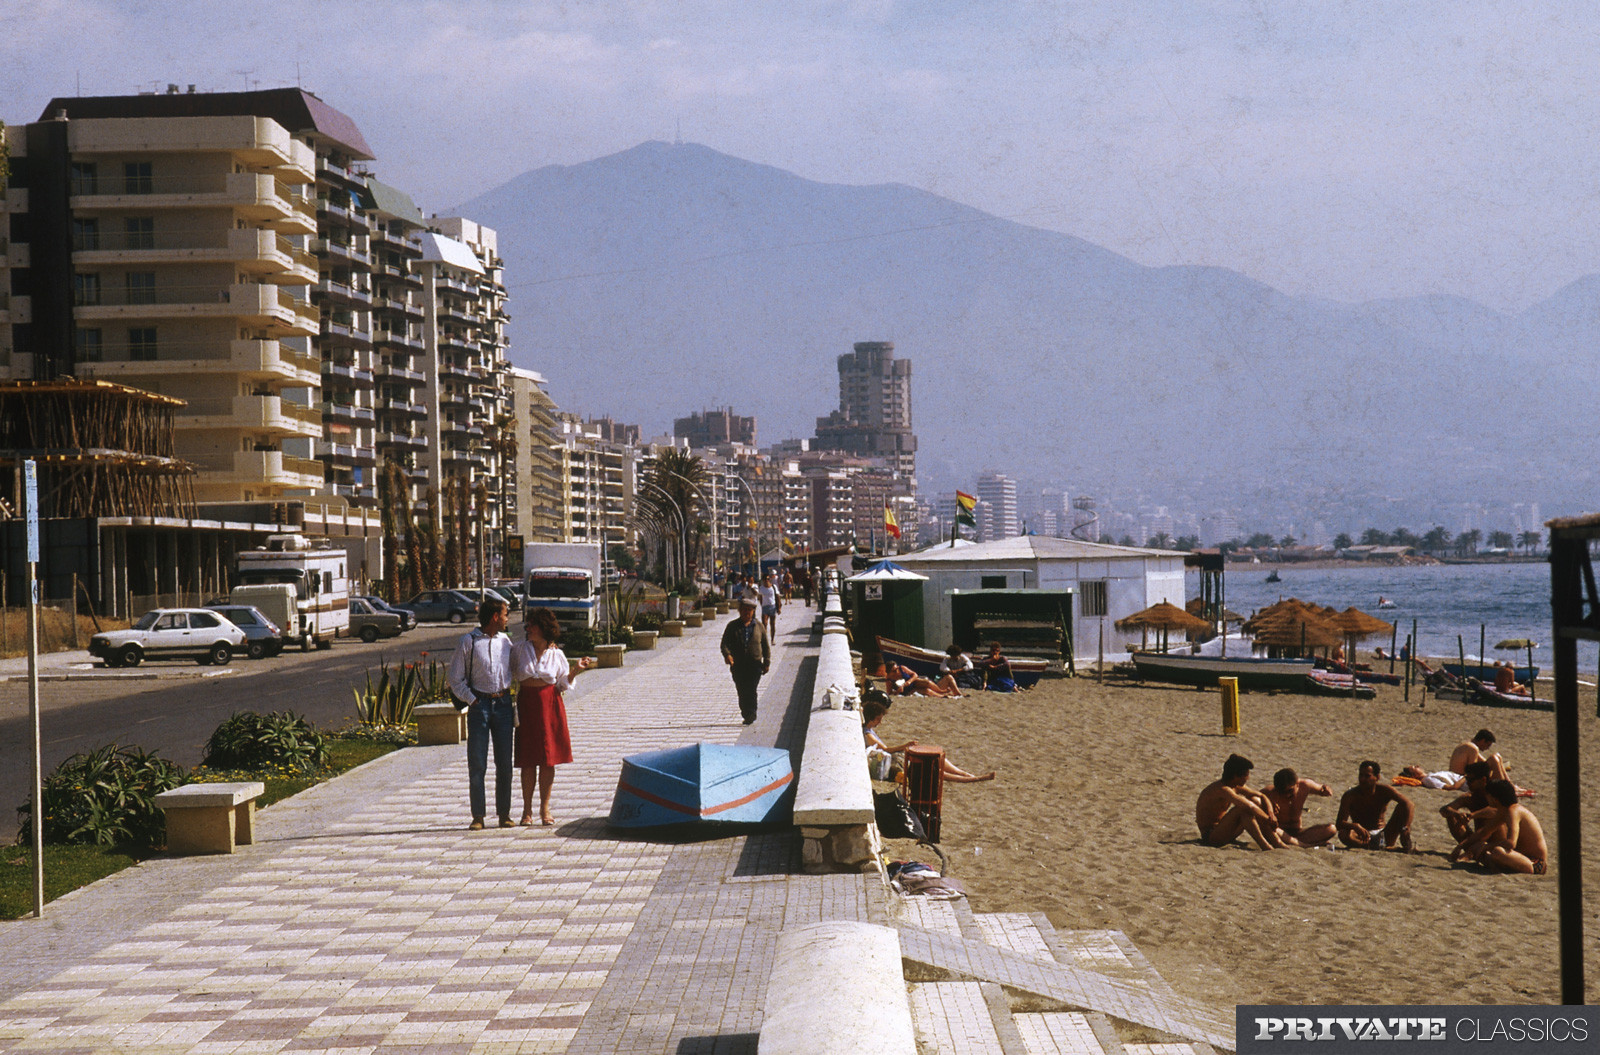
(671,278)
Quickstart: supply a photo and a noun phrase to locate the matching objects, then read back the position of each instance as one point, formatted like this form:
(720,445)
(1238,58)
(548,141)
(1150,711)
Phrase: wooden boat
(1485,672)
(703,783)
(925,661)
(1366,677)
(1252,672)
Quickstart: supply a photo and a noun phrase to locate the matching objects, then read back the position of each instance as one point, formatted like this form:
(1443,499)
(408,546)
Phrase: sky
(1349,150)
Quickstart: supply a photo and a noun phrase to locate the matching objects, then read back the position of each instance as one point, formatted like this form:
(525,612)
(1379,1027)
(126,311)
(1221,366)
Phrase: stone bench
(833,791)
(440,723)
(692,618)
(609,655)
(645,640)
(837,988)
(672,628)
(210,818)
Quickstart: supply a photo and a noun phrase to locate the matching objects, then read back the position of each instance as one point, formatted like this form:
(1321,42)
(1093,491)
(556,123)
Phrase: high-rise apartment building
(999,492)
(874,415)
(708,428)
(536,513)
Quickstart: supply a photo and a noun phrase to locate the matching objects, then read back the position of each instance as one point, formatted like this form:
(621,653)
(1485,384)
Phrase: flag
(891,526)
(965,504)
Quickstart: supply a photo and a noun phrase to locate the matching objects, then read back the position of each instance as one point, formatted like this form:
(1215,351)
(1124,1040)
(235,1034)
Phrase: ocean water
(1508,600)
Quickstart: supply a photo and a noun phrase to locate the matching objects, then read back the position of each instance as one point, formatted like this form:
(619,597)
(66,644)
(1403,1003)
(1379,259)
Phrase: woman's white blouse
(548,669)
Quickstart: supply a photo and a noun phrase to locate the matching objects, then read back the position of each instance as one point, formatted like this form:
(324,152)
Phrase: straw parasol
(1295,629)
(1164,617)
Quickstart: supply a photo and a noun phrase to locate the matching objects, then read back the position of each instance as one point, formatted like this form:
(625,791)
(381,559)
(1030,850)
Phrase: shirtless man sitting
(1228,807)
(1457,813)
(1288,793)
(1511,839)
(1361,809)
(1476,750)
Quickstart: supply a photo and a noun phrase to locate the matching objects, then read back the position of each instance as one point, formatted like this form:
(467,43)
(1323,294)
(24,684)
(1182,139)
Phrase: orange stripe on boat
(623,785)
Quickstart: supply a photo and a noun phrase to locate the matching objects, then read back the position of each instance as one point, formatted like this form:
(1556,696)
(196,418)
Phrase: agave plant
(391,697)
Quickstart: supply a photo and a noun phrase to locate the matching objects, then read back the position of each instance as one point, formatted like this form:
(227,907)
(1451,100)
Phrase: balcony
(347,412)
(355,376)
(258,414)
(248,360)
(255,140)
(255,195)
(256,251)
(397,339)
(397,439)
(263,305)
(331,292)
(340,330)
(346,253)
(390,372)
(415,410)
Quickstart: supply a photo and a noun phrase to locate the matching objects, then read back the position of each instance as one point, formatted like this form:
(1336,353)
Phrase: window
(141,232)
(84,177)
(85,234)
(85,290)
(142,344)
(200,621)
(136,178)
(90,346)
(173,621)
(1093,597)
(141,287)
(992,582)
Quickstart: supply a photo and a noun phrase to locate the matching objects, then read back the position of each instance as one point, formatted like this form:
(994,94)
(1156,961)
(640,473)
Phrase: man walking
(748,652)
(480,677)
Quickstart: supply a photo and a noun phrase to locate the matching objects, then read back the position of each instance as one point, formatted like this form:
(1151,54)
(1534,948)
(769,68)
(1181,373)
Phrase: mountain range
(670,278)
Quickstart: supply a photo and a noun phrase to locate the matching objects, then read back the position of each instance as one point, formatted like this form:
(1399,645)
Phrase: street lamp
(755,512)
(677,510)
(711,508)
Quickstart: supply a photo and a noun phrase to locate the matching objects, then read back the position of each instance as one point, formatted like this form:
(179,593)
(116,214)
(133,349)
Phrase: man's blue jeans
(490,719)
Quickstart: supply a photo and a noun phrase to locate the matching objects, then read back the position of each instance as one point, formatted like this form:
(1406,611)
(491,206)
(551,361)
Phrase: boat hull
(925,661)
(1485,672)
(704,783)
(1204,671)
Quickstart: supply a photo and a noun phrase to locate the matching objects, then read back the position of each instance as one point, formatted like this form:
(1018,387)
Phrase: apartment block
(998,492)
(536,514)
(597,478)
(163,242)
(874,415)
(399,356)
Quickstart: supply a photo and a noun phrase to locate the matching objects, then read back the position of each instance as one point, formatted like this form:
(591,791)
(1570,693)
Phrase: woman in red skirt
(542,740)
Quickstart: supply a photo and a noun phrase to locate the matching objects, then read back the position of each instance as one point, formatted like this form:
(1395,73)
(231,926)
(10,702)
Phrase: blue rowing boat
(718,783)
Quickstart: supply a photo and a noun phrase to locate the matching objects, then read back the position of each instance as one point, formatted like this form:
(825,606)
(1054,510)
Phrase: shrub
(256,741)
(622,635)
(393,696)
(105,797)
(648,621)
(577,641)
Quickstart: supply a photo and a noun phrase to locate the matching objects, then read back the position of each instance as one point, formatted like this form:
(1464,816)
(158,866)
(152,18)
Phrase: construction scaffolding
(103,450)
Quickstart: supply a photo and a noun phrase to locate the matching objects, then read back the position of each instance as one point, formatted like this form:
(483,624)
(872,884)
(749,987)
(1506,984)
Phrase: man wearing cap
(748,652)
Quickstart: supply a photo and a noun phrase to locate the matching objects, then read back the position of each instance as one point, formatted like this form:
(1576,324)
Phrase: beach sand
(1091,821)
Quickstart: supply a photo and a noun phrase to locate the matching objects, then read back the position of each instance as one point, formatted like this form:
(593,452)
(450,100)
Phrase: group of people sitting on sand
(874,707)
(957,671)
(1487,822)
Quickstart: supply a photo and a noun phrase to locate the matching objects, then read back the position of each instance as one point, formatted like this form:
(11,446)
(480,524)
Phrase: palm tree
(1374,537)
(673,482)
(1501,540)
(1467,542)
(1160,540)
(1437,539)
(505,446)
(1529,539)
(1342,541)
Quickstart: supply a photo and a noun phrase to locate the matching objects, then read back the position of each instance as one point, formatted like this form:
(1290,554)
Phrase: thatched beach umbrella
(1358,626)
(1296,630)
(1164,617)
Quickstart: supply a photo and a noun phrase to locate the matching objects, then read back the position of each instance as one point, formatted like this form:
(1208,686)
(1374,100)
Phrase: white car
(175,633)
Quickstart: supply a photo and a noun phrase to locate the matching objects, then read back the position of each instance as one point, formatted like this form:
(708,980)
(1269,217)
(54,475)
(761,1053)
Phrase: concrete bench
(210,818)
(645,640)
(833,793)
(691,618)
(609,655)
(837,988)
(440,723)
(672,628)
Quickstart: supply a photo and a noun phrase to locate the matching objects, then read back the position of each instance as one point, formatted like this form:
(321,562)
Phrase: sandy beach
(1091,822)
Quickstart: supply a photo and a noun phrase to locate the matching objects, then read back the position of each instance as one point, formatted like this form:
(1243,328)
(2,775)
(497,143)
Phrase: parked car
(509,596)
(262,637)
(443,605)
(170,633)
(408,618)
(369,623)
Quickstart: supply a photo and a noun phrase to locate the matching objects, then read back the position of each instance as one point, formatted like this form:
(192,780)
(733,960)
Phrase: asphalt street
(170,707)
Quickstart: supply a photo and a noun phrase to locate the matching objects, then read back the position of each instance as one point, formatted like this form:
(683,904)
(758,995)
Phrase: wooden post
(1461,657)
(1411,667)
(1102,651)
(1230,705)
(1483,645)
(1394,630)
(72,611)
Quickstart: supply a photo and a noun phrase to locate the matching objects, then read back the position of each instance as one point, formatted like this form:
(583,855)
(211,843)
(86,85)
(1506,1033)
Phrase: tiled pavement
(367,919)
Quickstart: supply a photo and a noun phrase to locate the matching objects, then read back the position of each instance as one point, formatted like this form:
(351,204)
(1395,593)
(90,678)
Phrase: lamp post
(711,509)
(755,513)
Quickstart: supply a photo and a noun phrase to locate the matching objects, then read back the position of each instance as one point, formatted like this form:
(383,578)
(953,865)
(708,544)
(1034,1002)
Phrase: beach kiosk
(885,600)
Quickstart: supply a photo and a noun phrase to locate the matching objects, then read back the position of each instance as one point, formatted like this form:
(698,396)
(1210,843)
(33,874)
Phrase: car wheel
(129,656)
(456,617)
(220,654)
(256,650)
(114,659)
(324,643)
(369,634)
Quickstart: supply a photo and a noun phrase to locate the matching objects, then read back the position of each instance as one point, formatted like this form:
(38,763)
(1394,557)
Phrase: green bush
(577,641)
(254,741)
(648,621)
(105,797)
(622,635)
(393,695)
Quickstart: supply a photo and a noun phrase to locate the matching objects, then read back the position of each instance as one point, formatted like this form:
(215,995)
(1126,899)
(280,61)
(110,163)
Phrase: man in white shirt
(767,593)
(480,677)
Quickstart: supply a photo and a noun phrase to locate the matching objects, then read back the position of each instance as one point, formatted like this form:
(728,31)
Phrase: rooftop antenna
(245,75)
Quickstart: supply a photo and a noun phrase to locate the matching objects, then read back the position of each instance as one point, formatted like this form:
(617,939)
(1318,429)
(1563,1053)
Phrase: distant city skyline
(1346,151)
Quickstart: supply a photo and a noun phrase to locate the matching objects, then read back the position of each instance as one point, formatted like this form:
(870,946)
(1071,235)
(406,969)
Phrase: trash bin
(925,785)
(672,606)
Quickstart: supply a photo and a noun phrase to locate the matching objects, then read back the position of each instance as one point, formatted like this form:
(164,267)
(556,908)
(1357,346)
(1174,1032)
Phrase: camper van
(302,587)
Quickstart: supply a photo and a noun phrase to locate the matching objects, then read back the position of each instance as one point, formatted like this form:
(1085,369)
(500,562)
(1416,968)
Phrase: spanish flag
(891,526)
(965,504)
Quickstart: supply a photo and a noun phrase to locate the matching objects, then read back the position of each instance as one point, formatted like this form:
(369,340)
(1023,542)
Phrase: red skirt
(542,738)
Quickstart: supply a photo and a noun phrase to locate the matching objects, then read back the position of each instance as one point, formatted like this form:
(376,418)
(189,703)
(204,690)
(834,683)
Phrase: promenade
(366,918)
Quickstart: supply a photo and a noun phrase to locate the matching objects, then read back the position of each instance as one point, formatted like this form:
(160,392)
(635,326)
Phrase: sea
(1506,601)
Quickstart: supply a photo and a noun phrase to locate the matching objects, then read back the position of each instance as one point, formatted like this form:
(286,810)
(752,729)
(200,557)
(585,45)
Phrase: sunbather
(1510,840)
(1288,793)
(872,713)
(1361,813)
(902,681)
(1228,807)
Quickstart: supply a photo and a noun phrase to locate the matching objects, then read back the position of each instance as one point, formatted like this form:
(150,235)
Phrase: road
(170,707)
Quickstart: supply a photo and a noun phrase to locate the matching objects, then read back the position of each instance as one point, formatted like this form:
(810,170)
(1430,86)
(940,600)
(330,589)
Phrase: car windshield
(570,585)
(147,621)
(240,616)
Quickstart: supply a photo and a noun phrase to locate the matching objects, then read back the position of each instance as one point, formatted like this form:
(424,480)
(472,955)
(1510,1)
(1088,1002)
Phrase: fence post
(72,611)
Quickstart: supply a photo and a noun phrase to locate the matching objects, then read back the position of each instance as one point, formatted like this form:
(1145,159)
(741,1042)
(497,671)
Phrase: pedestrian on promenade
(771,605)
(480,678)
(748,653)
(543,742)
